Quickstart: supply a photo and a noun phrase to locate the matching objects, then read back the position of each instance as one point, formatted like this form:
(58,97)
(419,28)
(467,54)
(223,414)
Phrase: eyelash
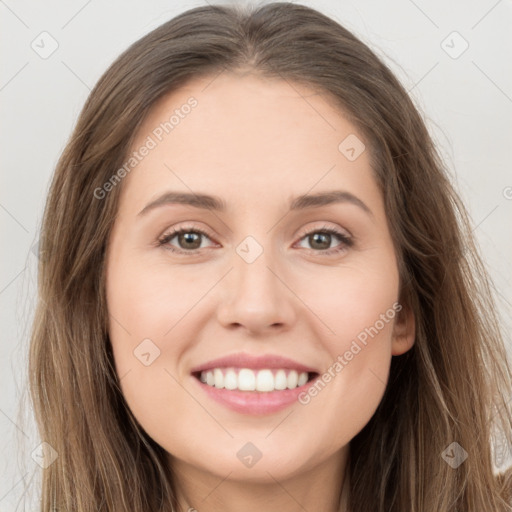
(346,241)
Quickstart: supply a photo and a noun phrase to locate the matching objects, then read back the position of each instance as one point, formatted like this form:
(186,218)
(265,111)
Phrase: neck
(321,487)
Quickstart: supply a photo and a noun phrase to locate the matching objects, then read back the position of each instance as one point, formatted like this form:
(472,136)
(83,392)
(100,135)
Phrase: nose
(256,297)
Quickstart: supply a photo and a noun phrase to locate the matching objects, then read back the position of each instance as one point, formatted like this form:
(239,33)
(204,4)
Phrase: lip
(240,360)
(254,402)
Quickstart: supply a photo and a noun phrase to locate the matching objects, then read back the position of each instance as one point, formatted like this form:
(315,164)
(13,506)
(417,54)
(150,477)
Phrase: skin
(256,143)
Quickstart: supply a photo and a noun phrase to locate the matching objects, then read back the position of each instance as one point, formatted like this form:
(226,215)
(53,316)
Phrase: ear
(404,332)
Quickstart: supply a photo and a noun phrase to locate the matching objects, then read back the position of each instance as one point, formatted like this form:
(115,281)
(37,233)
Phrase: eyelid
(171,233)
(327,226)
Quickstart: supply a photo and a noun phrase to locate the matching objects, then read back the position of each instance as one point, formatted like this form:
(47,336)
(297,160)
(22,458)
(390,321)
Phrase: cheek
(149,300)
(351,300)
(144,311)
(358,310)
(136,314)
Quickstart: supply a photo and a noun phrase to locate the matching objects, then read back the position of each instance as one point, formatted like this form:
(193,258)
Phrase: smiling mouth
(264,380)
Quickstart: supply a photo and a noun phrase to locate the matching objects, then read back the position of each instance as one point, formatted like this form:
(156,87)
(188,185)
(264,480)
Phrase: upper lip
(271,361)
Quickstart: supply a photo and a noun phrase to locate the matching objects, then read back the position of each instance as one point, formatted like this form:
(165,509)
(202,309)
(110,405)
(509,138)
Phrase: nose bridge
(254,280)
(255,296)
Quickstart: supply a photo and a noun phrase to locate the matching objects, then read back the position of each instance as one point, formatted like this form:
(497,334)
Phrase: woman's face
(287,273)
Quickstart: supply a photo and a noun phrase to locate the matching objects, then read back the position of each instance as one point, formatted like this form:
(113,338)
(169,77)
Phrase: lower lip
(254,402)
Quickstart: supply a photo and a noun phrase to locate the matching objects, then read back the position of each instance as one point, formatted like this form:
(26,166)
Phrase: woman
(195,349)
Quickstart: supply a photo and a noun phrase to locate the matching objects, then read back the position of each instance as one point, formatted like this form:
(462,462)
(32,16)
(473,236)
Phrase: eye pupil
(324,239)
(190,238)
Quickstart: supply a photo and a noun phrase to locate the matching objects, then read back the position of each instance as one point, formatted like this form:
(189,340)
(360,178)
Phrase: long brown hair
(451,387)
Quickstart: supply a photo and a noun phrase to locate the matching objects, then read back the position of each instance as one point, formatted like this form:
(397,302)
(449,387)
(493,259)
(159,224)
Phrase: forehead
(244,133)
(240,105)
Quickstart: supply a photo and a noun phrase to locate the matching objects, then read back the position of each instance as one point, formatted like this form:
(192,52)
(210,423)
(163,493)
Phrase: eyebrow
(209,202)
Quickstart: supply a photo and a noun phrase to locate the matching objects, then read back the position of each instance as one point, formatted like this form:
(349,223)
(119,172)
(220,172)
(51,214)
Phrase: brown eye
(187,240)
(320,241)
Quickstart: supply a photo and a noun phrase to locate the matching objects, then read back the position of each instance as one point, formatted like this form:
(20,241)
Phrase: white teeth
(281,382)
(246,379)
(218,378)
(264,381)
(303,378)
(230,380)
(293,379)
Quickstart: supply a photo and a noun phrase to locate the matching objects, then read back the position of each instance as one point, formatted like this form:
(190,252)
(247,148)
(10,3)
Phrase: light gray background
(467,102)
